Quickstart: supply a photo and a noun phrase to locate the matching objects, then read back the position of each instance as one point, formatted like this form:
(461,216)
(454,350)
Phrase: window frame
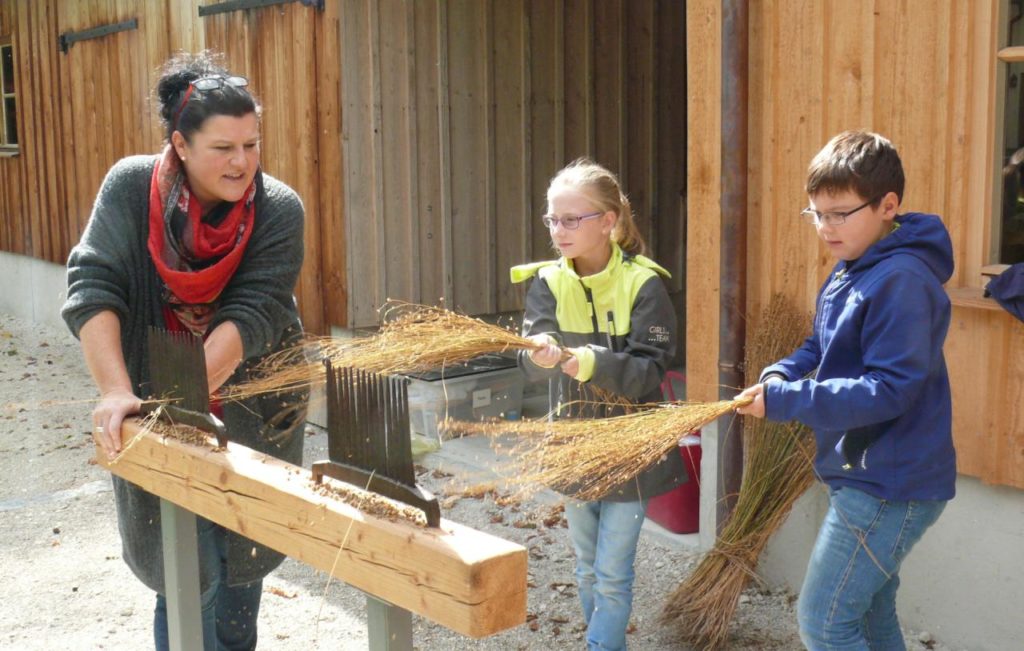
(7,148)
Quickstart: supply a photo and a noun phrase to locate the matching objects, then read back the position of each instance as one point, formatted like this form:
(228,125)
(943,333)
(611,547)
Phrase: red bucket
(679,509)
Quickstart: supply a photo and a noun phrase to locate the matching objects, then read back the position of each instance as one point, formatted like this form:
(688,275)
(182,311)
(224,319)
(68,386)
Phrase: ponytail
(625,233)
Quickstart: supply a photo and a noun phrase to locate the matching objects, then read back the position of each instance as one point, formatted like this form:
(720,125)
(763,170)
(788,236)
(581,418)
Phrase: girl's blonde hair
(602,189)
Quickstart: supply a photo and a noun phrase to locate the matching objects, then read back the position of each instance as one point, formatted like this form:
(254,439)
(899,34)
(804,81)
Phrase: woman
(193,239)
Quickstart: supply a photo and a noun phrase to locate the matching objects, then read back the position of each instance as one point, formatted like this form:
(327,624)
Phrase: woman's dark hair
(178,73)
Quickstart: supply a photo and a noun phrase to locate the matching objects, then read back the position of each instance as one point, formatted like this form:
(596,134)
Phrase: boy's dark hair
(861,161)
(187,117)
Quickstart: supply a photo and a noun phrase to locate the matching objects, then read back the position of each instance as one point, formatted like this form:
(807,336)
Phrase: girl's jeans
(604,535)
(228,612)
(848,600)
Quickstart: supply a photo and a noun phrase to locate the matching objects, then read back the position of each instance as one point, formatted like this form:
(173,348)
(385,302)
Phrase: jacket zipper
(593,309)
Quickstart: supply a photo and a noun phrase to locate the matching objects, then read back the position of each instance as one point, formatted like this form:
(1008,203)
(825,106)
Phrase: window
(8,101)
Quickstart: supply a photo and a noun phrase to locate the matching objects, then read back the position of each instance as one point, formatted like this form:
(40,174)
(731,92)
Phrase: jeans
(848,600)
(604,536)
(228,612)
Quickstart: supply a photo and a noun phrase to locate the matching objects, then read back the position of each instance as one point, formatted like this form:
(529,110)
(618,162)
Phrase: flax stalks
(777,470)
(585,457)
(414,338)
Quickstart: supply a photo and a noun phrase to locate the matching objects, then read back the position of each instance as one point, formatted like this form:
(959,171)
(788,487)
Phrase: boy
(871,381)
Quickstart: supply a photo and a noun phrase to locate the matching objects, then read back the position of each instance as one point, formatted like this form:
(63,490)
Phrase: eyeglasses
(570,222)
(203,84)
(833,218)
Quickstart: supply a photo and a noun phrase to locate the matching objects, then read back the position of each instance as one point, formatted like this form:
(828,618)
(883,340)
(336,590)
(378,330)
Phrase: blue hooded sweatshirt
(879,401)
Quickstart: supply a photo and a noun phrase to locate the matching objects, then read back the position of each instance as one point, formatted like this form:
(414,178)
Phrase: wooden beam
(469,581)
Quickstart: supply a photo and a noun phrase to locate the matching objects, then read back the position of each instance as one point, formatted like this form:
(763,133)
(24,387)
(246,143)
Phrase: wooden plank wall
(103,96)
(81,111)
(456,114)
(274,48)
(920,72)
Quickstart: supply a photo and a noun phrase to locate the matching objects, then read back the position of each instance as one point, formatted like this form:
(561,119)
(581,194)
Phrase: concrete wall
(31,289)
(963,582)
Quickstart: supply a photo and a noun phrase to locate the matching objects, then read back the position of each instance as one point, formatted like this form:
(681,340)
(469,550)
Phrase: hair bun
(179,71)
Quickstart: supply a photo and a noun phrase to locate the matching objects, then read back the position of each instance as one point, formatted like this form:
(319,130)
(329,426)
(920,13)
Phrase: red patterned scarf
(195,259)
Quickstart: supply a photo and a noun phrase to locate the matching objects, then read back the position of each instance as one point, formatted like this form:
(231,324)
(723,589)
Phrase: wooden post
(466,580)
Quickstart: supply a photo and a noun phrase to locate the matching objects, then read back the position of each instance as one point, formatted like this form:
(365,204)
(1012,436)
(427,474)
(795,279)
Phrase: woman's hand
(101,346)
(549,355)
(108,416)
(755,408)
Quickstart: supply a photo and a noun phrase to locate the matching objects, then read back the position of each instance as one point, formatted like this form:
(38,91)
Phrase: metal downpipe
(733,263)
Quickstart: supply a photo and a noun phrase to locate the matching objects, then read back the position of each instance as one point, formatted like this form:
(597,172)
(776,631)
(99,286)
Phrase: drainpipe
(733,264)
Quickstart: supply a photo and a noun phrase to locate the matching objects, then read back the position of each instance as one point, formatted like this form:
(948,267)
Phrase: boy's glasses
(832,218)
(204,84)
(570,222)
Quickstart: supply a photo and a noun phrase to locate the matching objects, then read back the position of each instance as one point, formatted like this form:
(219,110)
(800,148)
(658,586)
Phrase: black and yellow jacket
(622,327)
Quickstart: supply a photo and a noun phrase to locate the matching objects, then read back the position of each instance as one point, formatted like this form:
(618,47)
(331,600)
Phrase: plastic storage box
(487,388)
(679,509)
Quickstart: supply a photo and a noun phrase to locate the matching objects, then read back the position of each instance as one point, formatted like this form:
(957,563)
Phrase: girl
(195,238)
(605,303)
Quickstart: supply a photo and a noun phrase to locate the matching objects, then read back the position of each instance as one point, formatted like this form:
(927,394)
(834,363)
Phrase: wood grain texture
(924,74)
(464,579)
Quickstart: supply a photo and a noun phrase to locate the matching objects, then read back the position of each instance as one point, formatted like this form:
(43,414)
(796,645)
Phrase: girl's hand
(756,408)
(549,355)
(571,366)
(108,416)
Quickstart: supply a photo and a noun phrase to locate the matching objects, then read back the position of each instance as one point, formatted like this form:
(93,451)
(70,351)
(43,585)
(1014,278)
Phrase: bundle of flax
(777,470)
(414,338)
(587,457)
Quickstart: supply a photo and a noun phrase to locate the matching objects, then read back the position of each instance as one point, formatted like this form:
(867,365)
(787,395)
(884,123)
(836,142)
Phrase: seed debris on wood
(370,503)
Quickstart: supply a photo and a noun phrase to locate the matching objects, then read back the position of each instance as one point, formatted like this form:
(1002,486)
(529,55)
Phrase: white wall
(963,582)
(31,289)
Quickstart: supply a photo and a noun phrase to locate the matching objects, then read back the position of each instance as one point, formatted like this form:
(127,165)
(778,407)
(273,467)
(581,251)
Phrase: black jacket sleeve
(539,318)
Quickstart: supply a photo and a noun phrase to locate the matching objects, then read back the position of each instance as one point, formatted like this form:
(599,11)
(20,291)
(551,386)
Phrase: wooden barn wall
(920,72)
(456,114)
(77,112)
(276,49)
(81,111)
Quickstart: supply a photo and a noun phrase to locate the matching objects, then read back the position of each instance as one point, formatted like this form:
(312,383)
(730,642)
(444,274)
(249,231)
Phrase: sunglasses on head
(204,84)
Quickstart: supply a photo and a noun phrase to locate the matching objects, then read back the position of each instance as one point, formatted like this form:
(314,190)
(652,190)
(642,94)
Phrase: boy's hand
(756,408)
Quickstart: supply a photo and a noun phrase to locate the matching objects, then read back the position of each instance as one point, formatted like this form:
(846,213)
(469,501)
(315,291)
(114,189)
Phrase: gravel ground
(66,587)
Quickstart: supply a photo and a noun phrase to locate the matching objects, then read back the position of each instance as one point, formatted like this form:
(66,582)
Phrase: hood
(918,234)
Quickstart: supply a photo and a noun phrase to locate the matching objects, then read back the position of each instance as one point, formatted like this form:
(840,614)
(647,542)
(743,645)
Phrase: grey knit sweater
(110,269)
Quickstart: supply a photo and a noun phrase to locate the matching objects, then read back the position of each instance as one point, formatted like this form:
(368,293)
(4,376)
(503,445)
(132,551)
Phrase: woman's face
(222,158)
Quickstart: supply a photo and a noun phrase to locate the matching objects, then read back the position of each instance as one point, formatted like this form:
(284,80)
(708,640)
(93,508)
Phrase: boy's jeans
(604,535)
(228,613)
(848,600)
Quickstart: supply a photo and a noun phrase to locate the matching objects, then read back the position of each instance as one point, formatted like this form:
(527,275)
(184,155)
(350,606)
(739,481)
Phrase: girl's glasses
(570,222)
(204,84)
